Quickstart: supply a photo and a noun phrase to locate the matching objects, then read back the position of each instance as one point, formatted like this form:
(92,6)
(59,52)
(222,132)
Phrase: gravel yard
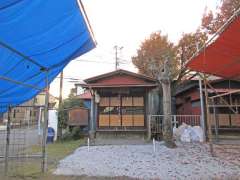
(187,161)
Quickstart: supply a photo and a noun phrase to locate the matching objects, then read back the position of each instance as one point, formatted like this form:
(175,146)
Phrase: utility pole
(59,132)
(116,55)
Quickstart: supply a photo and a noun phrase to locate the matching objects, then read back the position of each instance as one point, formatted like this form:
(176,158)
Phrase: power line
(70,78)
(93,61)
(102,62)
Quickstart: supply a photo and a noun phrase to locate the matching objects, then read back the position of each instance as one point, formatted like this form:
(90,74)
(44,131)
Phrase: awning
(101,85)
(221,57)
(37,38)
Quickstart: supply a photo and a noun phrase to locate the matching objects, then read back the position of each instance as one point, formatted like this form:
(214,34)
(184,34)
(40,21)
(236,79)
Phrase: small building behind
(121,101)
(29,112)
(188,102)
(78,117)
(86,99)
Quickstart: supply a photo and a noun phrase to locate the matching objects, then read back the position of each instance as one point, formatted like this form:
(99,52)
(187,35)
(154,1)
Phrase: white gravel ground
(187,161)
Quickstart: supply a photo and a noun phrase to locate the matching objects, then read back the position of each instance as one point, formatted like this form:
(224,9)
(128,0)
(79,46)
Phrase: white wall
(53,121)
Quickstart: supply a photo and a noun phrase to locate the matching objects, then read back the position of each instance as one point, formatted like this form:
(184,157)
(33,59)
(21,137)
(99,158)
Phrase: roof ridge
(102,76)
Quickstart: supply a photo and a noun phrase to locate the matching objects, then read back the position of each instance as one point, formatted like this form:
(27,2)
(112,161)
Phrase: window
(187,99)
(104,101)
(132,110)
(121,111)
(196,103)
(127,101)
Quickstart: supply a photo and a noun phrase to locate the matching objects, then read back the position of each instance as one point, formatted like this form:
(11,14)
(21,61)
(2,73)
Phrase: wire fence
(21,137)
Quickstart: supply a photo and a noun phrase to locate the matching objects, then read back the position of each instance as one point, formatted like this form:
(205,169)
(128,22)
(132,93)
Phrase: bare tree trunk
(167,121)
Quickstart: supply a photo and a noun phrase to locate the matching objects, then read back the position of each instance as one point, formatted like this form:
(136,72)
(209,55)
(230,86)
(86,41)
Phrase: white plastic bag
(198,133)
(193,135)
(185,136)
(177,132)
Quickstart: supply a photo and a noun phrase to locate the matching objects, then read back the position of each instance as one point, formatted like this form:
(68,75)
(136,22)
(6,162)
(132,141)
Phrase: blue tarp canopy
(38,37)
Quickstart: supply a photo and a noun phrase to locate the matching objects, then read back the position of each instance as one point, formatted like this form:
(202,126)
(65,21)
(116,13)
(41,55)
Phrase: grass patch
(31,168)
(60,150)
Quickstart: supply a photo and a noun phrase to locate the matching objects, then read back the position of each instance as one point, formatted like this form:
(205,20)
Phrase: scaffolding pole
(27,58)
(224,94)
(45,126)
(210,86)
(7,142)
(208,116)
(202,122)
(215,120)
(19,83)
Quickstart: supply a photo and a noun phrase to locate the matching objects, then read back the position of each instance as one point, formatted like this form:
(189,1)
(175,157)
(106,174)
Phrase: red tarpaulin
(222,57)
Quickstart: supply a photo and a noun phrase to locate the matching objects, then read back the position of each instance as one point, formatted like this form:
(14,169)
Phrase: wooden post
(45,127)
(215,120)
(59,126)
(7,141)
(91,124)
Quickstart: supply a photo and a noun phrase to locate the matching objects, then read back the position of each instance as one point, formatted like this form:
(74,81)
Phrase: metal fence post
(45,126)
(202,118)
(7,141)
(175,121)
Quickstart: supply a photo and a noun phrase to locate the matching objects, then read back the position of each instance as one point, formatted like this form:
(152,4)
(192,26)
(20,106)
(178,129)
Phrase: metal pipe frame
(22,55)
(224,94)
(45,126)
(22,106)
(210,86)
(216,105)
(19,83)
(202,123)
(208,116)
(7,142)
(22,157)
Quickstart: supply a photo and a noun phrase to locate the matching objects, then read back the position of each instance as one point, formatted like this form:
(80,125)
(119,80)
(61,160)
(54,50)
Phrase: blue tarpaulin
(38,37)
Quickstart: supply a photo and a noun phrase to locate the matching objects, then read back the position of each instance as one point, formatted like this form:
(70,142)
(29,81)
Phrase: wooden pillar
(91,122)
(215,120)
(148,114)
(59,125)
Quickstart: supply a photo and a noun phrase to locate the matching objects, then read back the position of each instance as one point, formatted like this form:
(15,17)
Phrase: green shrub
(74,134)
(66,136)
(77,133)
